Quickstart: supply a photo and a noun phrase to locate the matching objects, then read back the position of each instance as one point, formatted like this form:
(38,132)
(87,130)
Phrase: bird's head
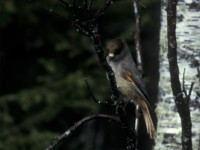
(115,47)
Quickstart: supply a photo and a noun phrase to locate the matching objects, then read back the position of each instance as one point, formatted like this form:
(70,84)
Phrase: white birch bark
(188,49)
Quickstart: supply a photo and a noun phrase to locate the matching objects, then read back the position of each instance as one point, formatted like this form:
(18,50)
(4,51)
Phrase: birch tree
(169,130)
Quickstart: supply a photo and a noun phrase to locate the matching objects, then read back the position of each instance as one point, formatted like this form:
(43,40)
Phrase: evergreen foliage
(43,65)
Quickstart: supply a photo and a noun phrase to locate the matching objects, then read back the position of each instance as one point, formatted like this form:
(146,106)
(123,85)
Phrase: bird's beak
(111,55)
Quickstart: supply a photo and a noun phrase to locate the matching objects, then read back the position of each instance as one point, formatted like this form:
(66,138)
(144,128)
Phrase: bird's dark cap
(115,45)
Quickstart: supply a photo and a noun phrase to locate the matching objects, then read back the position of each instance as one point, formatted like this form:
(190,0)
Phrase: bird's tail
(147,118)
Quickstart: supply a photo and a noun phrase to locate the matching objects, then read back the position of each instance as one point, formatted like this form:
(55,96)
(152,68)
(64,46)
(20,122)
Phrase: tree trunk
(169,129)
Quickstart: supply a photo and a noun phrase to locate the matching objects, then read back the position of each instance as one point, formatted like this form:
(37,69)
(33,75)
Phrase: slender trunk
(172,125)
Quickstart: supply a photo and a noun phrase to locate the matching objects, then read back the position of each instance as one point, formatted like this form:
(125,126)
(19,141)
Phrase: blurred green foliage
(43,65)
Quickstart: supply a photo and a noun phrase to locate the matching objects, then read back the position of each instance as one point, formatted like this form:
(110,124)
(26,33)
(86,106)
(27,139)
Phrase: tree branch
(94,98)
(187,95)
(77,125)
(181,104)
(103,9)
(137,37)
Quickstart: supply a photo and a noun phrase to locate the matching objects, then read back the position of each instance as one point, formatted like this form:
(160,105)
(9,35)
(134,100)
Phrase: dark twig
(89,4)
(87,8)
(91,94)
(181,104)
(50,11)
(190,90)
(187,95)
(78,125)
(103,9)
(65,3)
(94,98)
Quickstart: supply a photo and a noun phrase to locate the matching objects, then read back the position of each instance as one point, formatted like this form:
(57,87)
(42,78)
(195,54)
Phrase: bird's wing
(133,76)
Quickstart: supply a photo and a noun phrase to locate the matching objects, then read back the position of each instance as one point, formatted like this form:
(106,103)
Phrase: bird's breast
(126,88)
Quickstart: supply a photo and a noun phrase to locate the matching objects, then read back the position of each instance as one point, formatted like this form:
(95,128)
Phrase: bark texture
(169,129)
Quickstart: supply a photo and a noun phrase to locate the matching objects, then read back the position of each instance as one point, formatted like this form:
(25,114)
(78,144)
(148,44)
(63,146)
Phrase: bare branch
(90,4)
(190,91)
(94,98)
(78,125)
(103,9)
(65,3)
(91,94)
(187,95)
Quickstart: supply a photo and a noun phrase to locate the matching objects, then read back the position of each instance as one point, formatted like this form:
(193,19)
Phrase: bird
(128,79)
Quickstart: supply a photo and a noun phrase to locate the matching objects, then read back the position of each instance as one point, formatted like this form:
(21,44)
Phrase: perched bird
(128,80)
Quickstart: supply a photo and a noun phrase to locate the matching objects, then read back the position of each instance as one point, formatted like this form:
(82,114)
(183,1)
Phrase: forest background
(43,63)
